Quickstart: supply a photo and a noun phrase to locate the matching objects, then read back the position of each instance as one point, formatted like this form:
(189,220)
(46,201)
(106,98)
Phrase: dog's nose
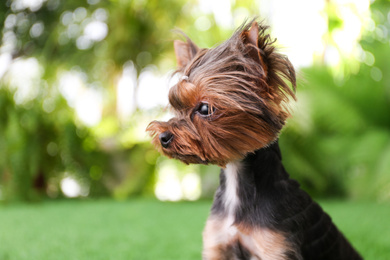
(165,138)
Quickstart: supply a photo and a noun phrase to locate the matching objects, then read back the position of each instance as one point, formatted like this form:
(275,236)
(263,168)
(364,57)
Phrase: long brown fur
(244,81)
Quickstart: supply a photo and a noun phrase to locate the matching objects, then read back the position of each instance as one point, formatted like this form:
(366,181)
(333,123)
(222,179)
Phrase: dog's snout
(165,138)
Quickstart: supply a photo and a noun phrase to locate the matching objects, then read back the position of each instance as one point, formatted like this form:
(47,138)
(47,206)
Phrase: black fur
(270,199)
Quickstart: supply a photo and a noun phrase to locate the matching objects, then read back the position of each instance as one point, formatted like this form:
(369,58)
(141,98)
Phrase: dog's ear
(185,52)
(251,40)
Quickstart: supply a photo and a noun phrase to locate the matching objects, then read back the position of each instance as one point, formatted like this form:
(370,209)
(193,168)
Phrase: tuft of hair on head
(246,84)
(255,56)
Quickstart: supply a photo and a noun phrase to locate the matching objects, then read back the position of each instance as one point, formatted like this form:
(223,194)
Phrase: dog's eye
(204,109)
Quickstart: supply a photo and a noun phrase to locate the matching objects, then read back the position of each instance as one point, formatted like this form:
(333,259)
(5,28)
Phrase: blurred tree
(41,141)
(37,148)
(94,40)
(338,144)
(98,37)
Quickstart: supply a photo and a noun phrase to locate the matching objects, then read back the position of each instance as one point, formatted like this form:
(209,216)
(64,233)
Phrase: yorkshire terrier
(230,105)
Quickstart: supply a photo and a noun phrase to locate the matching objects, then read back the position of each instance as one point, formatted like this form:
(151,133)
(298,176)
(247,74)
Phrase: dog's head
(231,100)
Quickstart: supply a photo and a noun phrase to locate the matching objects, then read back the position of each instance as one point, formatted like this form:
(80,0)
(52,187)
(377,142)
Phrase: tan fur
(264,244)
(214,239)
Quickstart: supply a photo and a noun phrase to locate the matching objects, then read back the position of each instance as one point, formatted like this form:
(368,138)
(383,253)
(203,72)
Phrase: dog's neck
(249,184)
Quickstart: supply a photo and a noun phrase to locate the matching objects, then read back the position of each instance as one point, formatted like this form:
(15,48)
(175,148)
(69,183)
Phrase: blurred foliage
(338,143)
(132,28)
(38,149)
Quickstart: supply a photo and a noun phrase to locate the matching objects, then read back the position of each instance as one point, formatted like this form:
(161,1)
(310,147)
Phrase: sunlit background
(80,81)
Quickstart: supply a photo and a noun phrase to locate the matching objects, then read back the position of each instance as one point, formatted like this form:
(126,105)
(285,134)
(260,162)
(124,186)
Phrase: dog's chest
(226,239)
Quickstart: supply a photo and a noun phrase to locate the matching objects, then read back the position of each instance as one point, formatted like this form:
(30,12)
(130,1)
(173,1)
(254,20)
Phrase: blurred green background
(81,80)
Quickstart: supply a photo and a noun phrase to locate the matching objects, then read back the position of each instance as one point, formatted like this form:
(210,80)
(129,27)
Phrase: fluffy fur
(250,101)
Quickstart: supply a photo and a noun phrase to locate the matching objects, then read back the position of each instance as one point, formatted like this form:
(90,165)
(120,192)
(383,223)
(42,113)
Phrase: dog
(230,105)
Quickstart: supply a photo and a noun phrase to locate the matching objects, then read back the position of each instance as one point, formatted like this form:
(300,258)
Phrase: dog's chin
(189,159)
(194,159)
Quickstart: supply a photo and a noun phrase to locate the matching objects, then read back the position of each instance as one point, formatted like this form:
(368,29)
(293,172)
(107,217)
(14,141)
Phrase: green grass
(147,229)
